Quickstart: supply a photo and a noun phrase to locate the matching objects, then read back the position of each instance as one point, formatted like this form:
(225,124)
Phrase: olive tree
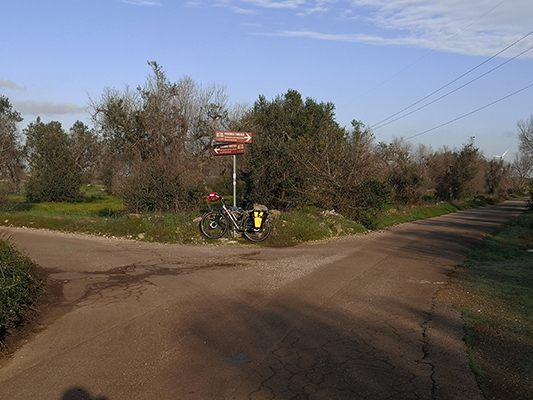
(404,173)
(301,157)
(157,140)
(294,159)
(85,148)
(53,175)
(11,154)
(455,179)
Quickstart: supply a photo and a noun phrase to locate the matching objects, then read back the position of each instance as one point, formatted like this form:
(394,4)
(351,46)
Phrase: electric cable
(470,113)
(381,123)
(449,93)
(425,55)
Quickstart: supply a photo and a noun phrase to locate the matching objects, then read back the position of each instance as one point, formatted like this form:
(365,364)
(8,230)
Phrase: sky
(458,69)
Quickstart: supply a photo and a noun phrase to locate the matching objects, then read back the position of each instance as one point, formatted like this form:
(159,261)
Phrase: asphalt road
(355,318)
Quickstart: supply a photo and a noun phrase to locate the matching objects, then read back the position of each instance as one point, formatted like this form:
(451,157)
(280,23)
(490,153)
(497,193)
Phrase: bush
(152,187)
(54,176)
(19,288)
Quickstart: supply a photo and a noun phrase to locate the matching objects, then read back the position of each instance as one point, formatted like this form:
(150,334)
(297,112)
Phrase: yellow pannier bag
(258,219)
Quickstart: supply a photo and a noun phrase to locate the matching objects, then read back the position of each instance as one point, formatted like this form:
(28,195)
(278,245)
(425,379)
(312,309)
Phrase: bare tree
(158,138)
(525,136)
(523,164)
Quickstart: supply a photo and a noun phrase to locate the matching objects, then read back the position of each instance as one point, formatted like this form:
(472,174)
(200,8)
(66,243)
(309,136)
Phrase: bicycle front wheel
(214,225)
(256,234)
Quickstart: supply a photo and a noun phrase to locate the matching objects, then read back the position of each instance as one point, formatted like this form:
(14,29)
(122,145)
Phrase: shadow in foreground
(79,393)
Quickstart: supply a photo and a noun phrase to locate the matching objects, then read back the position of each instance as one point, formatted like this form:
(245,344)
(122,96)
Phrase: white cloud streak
(480,27)
(142,2)
(46,108)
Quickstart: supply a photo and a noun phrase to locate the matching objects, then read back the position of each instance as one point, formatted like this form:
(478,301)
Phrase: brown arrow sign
(228,149)
(233,137)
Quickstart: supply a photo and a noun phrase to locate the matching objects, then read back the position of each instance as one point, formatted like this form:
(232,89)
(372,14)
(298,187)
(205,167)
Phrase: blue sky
(371,58)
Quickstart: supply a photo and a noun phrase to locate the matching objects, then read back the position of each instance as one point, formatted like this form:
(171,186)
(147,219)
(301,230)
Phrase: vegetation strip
(495,296)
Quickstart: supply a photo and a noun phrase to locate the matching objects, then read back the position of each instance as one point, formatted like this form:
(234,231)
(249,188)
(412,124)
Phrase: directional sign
(233,137)
(228,149)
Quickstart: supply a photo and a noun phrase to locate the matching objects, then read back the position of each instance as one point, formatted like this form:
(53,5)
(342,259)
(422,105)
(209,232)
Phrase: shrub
(19,288)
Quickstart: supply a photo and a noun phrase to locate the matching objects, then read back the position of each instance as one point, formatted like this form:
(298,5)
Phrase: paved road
(347,319)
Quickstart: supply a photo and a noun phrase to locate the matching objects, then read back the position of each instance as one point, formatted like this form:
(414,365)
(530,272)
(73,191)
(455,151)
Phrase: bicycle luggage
(213,197)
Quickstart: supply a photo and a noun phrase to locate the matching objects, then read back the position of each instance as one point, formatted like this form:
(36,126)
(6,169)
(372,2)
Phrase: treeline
(152,147)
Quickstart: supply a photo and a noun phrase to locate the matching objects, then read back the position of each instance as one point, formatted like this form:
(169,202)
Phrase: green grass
(104,215)
(400,215)
(310,225)
(395,215)
(499,311)
(19,288)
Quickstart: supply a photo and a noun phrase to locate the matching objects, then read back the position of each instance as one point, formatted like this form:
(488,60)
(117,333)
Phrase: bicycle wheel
(256,234)
(214,225)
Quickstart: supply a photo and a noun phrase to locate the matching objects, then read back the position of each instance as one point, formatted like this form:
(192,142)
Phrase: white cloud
(239,10)
(8,84)
(281,4)
(46,108)
(277,4)
(142,2)
(480,27)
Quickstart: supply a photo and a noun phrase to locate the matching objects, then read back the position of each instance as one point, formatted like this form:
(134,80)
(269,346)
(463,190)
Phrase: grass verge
(497,307)
(105,215)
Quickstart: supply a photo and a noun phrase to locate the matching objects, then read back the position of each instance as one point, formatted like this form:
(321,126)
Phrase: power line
(470,113)
(381,123)
(425,55)
(449,93)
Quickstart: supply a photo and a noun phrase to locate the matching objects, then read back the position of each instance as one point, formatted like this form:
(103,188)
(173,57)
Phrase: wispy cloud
(479,27)
(142,2)
(289,4)
(46,108)
(8,84)
(277,4)
(247,11)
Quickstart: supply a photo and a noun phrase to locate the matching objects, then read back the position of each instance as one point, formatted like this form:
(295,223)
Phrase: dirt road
(347,319)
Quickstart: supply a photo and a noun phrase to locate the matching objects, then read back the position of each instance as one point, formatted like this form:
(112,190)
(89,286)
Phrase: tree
(455,180)
(157,140)
(85,149)
(525,136)
(404,175)
(53,172)
(301,157)
(523,164)
(11,154)
(497,178)
(295,157)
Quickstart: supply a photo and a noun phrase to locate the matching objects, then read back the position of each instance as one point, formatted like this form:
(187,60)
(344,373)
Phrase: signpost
(236,142)
(228,149)
(233,137)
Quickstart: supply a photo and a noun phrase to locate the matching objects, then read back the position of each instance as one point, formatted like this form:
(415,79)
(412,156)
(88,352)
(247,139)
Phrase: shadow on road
(80,393)
(292,349)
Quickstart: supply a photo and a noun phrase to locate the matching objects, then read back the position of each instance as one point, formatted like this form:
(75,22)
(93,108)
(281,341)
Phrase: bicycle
(253,224)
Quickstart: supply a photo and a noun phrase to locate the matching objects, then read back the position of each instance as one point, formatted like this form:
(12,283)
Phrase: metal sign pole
(234,180)
(234,188)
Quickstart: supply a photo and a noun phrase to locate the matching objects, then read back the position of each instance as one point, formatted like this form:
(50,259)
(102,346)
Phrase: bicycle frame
(236,225)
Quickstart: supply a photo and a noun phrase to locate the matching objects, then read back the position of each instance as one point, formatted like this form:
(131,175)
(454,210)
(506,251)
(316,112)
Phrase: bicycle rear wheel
(214,225)
(256,234)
